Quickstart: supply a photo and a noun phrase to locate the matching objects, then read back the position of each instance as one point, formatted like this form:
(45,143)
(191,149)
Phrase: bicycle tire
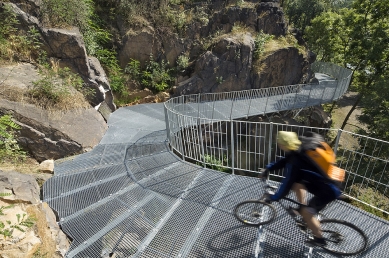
(254,212)
(335,233)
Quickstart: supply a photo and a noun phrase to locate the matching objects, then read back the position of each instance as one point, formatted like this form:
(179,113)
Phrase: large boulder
(54,135)
(226,68)
(19,188)
(285,66)
(150,42)
(22,191)
(67,47)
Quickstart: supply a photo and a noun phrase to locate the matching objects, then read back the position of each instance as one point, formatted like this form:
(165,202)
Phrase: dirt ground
(344,105)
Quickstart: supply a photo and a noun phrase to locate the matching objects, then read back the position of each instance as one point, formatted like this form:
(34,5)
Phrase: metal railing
(201,128)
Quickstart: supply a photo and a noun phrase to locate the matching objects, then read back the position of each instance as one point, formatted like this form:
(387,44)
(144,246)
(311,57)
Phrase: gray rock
(47,166)
(139,46)
(21,75)
(284,67)
(54,135)
(226,68)
(24,188)
(62,242)
(68,47)
(271,19)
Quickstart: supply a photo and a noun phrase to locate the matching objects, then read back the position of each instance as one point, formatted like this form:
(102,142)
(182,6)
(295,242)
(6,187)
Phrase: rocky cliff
(219,38)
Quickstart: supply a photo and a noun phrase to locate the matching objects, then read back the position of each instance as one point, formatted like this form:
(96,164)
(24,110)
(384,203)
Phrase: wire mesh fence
(201,129)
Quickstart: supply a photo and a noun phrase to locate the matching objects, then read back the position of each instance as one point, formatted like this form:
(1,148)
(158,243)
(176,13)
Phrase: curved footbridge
(132,196)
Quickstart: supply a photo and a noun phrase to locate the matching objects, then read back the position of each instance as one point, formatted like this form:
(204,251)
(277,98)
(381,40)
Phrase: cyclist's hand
(265,175)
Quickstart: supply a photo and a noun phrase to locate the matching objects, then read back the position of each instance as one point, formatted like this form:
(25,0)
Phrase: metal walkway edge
(132,197)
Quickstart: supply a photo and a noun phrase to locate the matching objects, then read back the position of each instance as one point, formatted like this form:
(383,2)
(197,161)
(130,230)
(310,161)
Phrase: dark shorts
(317,203)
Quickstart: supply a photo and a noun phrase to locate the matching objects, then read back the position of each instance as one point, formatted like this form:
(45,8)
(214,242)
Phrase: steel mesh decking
(133,197)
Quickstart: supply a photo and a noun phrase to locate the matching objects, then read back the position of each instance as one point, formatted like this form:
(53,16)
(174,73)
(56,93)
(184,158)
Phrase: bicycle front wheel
(254,212)
(343,237)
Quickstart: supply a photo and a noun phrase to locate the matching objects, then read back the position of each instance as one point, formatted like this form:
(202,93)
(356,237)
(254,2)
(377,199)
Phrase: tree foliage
(357,38)
(375,113)
(301,12)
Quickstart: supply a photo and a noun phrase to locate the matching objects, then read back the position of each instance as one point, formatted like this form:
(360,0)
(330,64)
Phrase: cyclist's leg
(301,192)
(311,220)
(309,212)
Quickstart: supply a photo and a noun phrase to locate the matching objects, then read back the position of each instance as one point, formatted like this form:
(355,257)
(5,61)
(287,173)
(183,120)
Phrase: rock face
(229,67)
(23,192)
(227,64)
(226,68)
(284,67)
(54,135)
(23,188)
(68,49)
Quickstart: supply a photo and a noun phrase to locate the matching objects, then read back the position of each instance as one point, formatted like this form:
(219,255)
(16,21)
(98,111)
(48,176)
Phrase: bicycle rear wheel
(343,237)
(254,212)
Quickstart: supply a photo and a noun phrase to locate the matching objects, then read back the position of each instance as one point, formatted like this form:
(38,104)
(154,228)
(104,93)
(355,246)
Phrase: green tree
(357,38)
(375,113)
(300,13)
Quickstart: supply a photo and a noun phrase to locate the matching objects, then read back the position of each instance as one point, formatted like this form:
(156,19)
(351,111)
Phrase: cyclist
(301,175)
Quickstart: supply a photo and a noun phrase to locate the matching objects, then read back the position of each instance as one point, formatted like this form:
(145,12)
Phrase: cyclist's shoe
(302,225)
(320,242)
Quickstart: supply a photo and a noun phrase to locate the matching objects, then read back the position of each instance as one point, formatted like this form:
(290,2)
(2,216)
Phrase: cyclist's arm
(287,183)
(277,165)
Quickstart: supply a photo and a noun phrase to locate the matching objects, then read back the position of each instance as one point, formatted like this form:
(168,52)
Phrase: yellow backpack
(325,158)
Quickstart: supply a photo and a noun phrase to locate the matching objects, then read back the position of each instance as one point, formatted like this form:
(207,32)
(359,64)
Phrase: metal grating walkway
(131,197)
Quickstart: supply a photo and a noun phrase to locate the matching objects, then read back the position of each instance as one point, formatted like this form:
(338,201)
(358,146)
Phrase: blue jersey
(299,169)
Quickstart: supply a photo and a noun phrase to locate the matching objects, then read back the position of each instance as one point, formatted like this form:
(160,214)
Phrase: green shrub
(371,196)
(215,163)
(182,62)
(260,40)
(156,76)
(14,45)
(133,68)
(9,147)
(66,13)
(23,222)
(115,73)
(59,89)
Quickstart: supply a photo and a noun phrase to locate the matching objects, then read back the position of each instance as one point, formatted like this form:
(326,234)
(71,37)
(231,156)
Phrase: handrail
(204,128)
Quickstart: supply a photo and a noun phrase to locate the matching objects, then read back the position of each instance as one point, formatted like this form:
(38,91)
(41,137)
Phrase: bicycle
(337,233)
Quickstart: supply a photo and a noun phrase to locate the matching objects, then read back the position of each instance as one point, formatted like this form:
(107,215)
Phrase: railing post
(213,105)
(232,147)
(167,123)
(248,110)
(180,139)
(337,141)
(182,103)
(270,142)
(267,100)
(198,104)
(232,104)
(200,132)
